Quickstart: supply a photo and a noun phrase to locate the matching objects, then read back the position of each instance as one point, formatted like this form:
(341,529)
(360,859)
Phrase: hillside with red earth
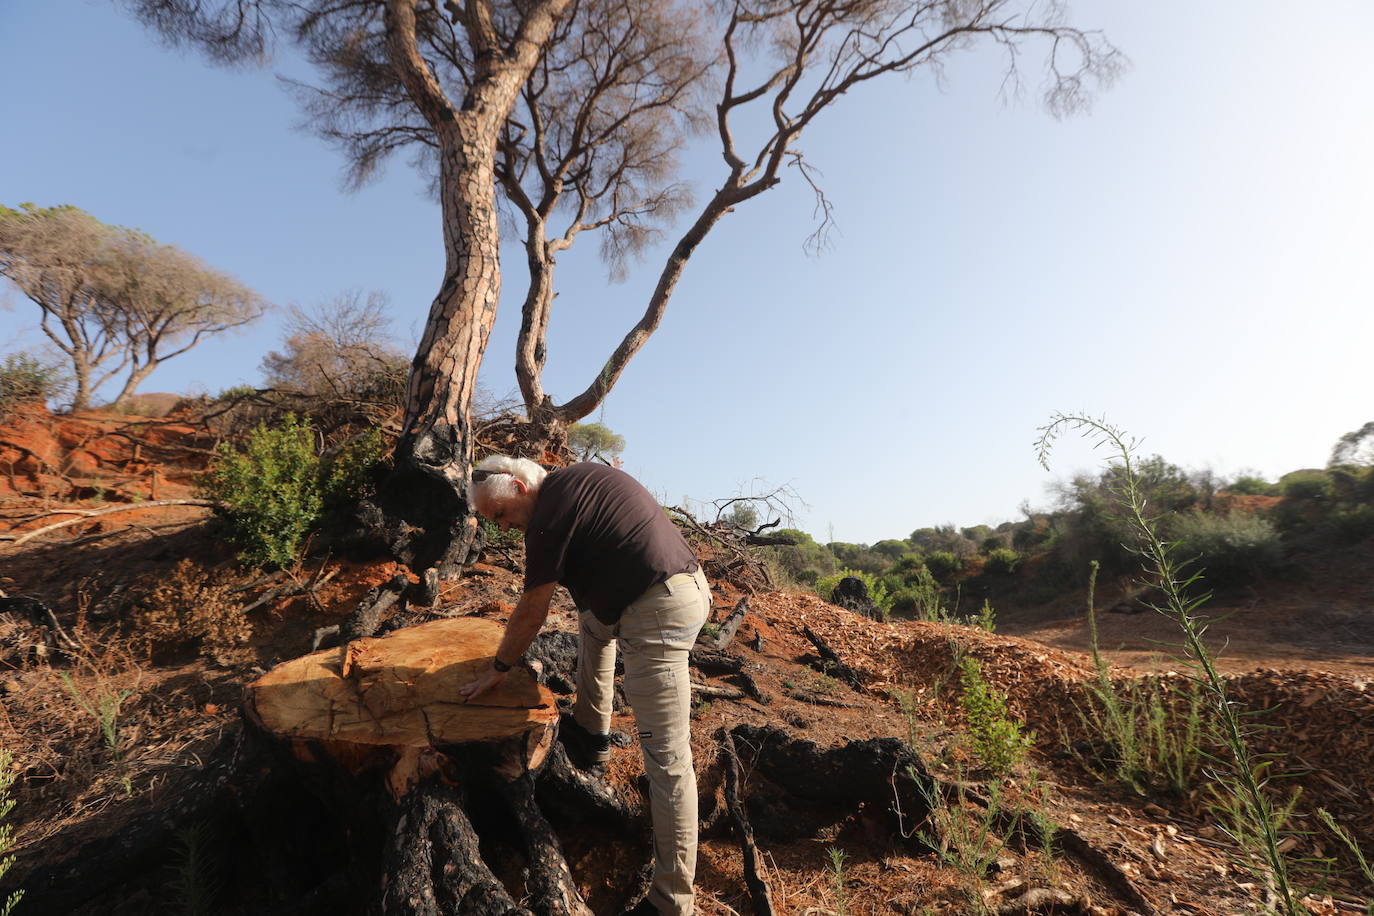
(813,699)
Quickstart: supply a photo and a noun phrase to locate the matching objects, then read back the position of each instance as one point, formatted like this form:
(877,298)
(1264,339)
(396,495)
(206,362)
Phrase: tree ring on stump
(393,702)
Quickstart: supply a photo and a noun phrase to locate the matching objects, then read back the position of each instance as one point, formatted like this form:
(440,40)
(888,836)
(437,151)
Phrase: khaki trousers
(656,633)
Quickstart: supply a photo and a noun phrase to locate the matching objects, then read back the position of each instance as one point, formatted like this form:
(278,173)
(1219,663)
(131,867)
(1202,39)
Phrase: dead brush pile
(192,608)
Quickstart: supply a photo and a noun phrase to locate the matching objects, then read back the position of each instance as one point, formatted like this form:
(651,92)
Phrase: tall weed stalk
(195,879)
(838,879)
(1244,776)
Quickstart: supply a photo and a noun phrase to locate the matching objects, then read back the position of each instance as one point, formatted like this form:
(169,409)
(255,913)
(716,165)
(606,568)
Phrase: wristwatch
(498,665)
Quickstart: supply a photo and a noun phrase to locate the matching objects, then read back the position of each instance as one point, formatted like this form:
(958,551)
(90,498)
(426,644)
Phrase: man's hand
(523,626)
(491,678)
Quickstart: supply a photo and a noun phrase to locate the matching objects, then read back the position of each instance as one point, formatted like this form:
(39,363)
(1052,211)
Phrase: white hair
(501,485)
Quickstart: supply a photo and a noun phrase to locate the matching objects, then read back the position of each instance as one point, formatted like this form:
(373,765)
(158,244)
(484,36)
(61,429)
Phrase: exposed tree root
(433,862)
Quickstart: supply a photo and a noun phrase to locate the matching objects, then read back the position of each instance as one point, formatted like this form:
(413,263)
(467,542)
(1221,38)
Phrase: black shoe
(643,908)
(586,750)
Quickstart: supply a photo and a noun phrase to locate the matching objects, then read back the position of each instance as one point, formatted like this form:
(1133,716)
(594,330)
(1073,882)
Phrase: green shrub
(891,548)
(6,830)
(985,619)
(918,596)
(347,471)
(28,379)
(1032,533)
(801,563)
(270,492)
(858,556)
(1353,523)
(877,592)
(997,740)
(1002,561)
(1306,485)
(498,538)
(991,543)
(1249,485)
(1351,483)
(1232,548)
(276,491)
(234,391)
(943,563)
(942,538)
(908,565)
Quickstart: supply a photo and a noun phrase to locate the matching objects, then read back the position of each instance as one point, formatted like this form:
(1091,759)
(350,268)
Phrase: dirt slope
(73,789)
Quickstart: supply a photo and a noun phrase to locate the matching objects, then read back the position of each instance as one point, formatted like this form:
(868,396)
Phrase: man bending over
(597,531)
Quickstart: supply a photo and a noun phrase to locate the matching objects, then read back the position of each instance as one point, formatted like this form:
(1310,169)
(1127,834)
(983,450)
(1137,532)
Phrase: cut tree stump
(398,696)
(387,712)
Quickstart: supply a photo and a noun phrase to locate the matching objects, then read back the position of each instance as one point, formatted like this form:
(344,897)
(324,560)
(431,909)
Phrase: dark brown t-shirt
(596,530)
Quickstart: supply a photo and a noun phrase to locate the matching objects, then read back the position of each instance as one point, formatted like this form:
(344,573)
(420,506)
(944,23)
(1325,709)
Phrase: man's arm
(523,626)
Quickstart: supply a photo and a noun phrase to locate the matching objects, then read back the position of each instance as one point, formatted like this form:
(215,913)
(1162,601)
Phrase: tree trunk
(81,368)
(132,382)
(429,521)
(426,502)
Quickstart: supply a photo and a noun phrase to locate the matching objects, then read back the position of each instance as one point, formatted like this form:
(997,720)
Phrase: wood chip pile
(1320,725)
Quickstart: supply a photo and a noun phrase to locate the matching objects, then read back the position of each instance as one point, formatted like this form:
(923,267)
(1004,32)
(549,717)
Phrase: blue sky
(1192,259)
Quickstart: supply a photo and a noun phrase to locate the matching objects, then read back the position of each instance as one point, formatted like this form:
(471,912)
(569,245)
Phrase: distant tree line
(1235,530)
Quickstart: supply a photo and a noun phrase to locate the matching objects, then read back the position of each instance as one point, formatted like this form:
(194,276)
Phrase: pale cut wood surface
(402,690)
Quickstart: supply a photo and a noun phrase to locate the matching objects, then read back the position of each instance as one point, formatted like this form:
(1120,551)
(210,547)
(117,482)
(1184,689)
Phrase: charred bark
(884,774)
(551,884)
(715,662)
(574,794)
(831,663)
(435,863)
(423,514)
(730,625)
(759,890)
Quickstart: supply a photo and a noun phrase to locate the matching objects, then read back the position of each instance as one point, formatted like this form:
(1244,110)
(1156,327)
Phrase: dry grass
(98,731)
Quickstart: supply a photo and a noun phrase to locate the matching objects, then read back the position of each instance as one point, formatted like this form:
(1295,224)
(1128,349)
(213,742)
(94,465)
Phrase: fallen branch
(816,699)
(715,662)
(731,624)
(711,692)
(291,590)
(831,661)
(84,514)
(751,687)
(759,890)
(367,616)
